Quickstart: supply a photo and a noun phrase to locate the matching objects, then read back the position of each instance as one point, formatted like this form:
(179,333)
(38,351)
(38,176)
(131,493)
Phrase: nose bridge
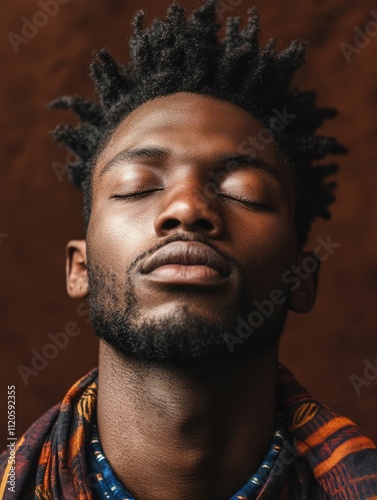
(190,185)
(191,204)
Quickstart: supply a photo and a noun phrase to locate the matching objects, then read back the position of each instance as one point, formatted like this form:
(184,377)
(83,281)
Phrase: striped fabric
(343,461)
(326,456)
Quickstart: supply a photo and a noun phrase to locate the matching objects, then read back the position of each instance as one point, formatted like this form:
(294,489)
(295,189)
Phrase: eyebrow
(149,153)
(238,161)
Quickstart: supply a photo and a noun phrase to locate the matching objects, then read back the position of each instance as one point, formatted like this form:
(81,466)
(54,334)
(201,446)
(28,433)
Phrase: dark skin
(188,433)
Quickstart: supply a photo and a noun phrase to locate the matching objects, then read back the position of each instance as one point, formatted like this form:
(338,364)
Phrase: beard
(180,338)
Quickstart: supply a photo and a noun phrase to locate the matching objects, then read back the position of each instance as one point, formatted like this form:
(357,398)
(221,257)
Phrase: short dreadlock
(179,54)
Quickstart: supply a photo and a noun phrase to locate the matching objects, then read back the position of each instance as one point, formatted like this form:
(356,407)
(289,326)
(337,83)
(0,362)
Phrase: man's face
(189,152)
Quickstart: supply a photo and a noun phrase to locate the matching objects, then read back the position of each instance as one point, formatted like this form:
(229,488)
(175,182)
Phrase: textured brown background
(39,213)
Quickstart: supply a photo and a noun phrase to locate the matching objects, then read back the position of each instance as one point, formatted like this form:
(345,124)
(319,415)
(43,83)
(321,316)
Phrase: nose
(188,208)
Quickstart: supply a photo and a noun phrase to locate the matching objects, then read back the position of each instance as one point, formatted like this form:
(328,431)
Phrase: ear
(306,273)
(76,273)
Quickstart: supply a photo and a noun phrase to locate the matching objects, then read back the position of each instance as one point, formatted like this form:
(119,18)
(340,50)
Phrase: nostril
(170,223)
(205,224)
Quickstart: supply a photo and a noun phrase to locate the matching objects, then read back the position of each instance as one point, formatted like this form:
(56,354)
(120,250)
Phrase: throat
(189,433)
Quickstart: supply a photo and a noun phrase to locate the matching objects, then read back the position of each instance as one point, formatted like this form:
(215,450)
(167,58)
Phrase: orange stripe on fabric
(323,433)
(350,446)
(304,415)
(76,442)
(45,455)
(368,476)
(45,459)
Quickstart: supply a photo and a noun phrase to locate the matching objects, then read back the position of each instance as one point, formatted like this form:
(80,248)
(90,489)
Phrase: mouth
(186,263)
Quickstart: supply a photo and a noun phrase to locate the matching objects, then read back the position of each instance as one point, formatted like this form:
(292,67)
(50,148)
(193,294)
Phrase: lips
(187,254)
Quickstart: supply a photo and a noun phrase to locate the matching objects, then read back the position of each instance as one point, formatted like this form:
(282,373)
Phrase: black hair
(179,54)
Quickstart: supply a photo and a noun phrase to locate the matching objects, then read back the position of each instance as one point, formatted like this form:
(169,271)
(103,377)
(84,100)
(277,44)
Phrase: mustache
(185,237)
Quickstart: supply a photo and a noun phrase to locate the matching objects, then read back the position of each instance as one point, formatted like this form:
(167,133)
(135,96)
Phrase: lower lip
(190,275)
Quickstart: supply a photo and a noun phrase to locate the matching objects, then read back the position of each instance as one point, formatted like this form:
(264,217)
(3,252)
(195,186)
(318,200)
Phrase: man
(198,169)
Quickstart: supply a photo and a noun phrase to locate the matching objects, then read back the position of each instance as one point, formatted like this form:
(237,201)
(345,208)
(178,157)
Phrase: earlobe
(306,273)
(76,272)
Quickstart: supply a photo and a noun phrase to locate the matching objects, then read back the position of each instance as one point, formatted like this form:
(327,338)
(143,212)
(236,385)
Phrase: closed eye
(247,201)
(137,193)
(242,199)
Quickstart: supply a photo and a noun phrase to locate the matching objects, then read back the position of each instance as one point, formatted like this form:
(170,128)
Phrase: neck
(185,433)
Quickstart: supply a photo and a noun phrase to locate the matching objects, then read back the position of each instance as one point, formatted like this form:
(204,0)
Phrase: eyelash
(241,198)
(137,193)
(245,200)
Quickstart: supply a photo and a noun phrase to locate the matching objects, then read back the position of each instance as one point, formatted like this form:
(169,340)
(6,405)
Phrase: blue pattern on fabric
(109,487)
(107,484)
(257,480)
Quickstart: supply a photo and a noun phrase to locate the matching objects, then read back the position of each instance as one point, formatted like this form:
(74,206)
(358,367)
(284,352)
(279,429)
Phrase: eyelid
(137,192)
(244,199)
(241,198)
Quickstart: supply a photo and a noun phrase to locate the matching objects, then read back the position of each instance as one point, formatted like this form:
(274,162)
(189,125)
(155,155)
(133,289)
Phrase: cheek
(115,238)
(268,248)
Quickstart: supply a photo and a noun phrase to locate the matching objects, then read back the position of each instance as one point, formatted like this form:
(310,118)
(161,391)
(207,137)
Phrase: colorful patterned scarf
(326,456)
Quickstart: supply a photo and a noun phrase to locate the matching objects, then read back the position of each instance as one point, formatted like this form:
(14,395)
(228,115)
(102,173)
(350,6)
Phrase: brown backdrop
(40,211)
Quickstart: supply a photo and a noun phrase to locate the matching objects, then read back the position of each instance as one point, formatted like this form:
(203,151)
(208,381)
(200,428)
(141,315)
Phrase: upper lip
(187,253)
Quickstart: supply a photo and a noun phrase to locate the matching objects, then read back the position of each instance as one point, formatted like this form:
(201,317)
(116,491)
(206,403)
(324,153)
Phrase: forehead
(193,124)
